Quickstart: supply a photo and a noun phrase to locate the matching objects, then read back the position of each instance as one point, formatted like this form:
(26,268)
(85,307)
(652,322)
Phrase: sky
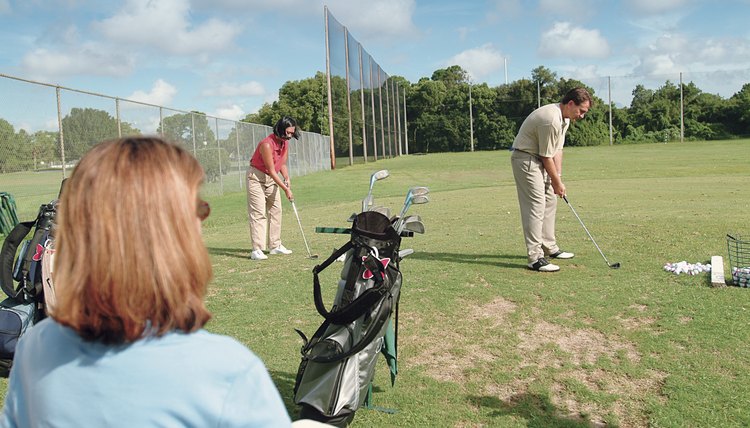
(226,58)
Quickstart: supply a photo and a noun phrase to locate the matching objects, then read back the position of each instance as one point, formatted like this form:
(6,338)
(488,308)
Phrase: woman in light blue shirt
(125,344)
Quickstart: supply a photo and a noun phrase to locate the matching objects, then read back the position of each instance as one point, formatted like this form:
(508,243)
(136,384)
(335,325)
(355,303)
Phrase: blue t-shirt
(177,380)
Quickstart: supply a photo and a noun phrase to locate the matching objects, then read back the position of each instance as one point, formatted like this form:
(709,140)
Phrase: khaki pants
(538,204)
(263,197)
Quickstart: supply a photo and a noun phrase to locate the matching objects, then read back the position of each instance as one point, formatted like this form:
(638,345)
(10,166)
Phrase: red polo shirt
(279,148)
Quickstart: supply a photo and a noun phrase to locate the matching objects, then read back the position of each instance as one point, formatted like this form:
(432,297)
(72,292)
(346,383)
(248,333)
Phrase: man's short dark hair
(285,122)
(578,96)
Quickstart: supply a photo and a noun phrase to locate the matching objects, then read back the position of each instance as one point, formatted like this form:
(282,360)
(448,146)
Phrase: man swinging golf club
(537,170)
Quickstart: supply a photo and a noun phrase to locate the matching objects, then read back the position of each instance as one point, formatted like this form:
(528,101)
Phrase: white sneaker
(562,255)
(258,255)
(542,265)
(280,250)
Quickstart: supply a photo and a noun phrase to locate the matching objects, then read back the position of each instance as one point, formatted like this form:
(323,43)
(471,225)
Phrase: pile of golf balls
(741,276)
(688,268)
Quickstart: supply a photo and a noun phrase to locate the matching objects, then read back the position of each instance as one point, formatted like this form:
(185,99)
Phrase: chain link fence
(46,129)
(366,106)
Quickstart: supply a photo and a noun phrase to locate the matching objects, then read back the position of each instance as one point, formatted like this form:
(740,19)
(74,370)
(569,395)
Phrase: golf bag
(338,361)
(25,277)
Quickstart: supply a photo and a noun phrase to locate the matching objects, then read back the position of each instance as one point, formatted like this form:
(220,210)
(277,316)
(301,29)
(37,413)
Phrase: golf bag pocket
(331,387)
(15,318)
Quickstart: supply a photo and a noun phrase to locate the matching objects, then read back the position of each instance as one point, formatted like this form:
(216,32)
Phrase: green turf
(485,342)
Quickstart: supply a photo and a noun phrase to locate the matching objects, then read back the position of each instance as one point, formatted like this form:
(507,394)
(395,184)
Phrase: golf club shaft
(586,229)
(296,214)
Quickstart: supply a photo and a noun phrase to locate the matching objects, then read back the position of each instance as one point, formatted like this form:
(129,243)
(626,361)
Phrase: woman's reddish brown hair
(130,259)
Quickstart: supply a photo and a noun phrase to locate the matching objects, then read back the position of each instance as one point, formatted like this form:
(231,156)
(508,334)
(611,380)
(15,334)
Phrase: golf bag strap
(317,297)
(8,254)
(361,304)
(372,331)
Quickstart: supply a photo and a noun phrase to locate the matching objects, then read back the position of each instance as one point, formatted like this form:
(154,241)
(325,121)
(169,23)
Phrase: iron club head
(377,175)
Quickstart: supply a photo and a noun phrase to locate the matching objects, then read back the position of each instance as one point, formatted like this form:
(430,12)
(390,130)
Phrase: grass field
(482,340)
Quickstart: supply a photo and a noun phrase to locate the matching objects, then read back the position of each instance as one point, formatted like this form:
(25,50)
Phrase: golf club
(613,266)
(411,199)
(414,191)
(382,210)
(377,175)
(296,214)
(413,225)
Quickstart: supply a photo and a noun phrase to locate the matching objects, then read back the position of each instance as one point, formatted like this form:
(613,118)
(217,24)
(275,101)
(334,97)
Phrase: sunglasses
(203,210)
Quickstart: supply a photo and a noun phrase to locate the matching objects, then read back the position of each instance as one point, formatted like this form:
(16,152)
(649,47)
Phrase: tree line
(85,127)
(437,112)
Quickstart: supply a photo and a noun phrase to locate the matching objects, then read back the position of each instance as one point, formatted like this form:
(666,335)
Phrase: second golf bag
(338,361)
(25,276)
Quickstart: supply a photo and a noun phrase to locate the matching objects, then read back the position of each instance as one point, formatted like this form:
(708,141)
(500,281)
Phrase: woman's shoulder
(216,345)
(269,139)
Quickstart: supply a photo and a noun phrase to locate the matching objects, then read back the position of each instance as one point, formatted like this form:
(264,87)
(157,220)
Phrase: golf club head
(419,190)
(382,210)
(615,265)
(420,199)
(405,252)
(415,226)
(378,175)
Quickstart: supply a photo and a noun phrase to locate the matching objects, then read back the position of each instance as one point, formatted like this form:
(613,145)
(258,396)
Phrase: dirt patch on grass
(563,360)
(458,353)
(583,346)
(636,323)
(622,391)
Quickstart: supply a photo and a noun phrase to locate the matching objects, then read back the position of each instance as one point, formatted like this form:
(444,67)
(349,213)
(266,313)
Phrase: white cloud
(161,94)
(287,6)
(479,62)
(166,25)
(573,9)
(657,64)
(248,89)
(652,7)
(676,53)
(565,40)
(91,59)
(366,19)
(384,19)
(233,112)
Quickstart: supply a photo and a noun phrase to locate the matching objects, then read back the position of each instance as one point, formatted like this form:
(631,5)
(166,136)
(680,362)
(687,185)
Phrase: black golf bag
(26,278)
(338,361)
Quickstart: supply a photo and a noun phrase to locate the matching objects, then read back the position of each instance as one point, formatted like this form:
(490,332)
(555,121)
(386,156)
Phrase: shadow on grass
(285,384)
(240,253)
(479,259)
(537,411)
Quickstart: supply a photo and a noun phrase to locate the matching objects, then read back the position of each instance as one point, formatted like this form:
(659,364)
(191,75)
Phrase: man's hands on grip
(559,189)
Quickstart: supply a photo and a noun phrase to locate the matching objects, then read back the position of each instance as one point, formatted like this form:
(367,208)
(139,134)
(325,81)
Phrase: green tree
(44,148)
(8,161)
(187,128)
(549,91)
(737,112)
(85,127)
